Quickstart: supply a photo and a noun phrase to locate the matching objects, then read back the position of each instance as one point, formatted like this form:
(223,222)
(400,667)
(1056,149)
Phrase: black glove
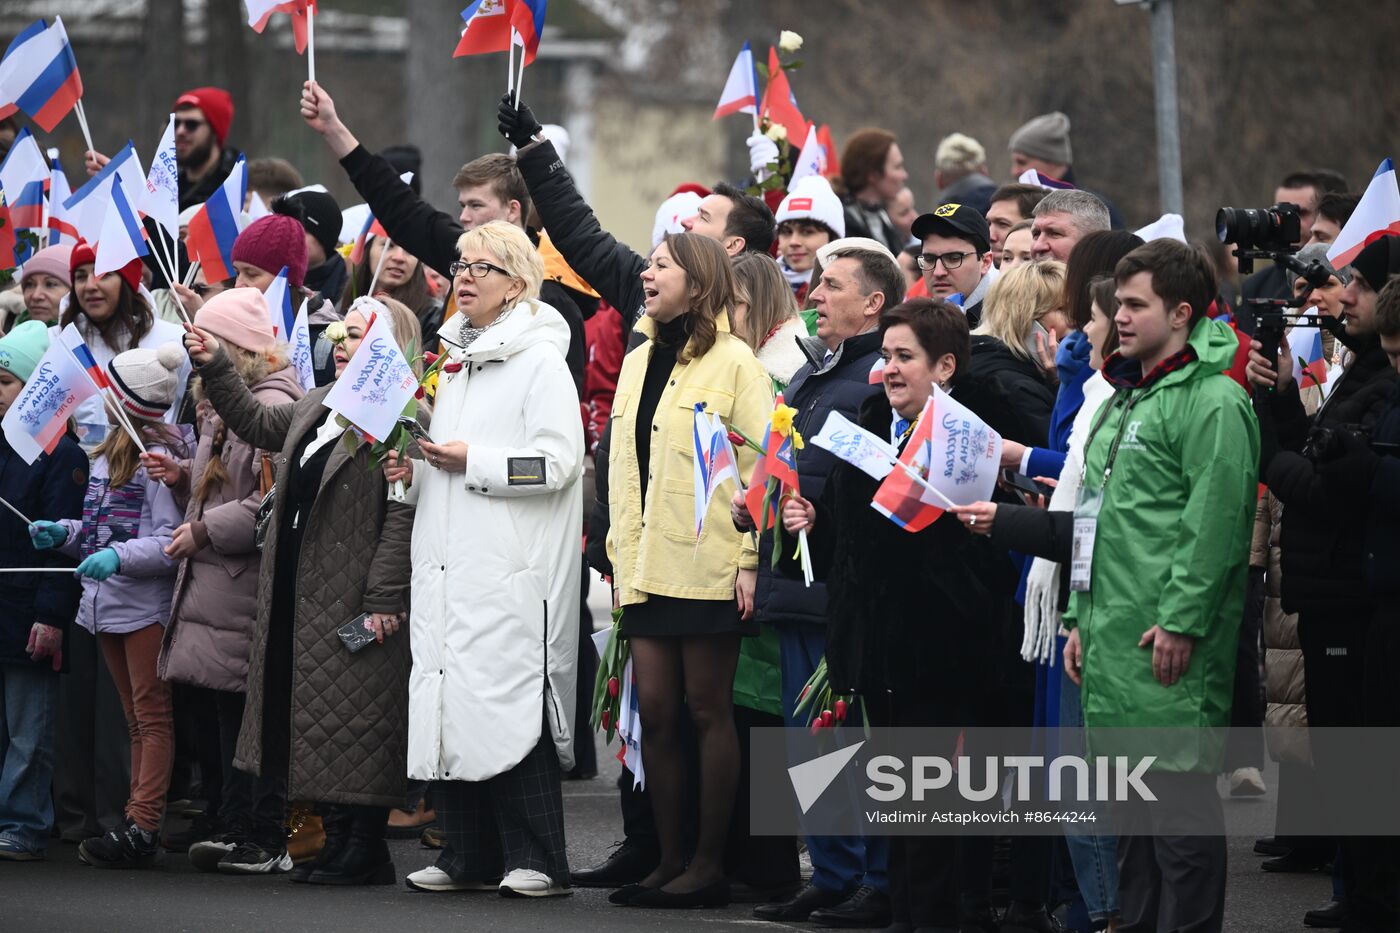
(518,126)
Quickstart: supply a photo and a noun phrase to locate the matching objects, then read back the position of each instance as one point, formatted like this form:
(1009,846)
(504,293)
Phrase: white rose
(336,332)
(776,132)
(789,41)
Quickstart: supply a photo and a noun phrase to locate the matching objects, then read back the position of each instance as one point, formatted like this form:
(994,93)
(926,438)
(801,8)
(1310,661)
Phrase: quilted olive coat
(349,712)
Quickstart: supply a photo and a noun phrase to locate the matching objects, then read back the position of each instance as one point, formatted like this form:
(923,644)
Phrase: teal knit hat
(22,348)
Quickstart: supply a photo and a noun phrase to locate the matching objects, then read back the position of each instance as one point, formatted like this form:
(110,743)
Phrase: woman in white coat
(494,626)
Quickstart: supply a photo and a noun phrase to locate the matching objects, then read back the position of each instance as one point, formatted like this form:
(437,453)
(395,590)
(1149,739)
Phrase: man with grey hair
(1062,219)
(860,279)
(960,173)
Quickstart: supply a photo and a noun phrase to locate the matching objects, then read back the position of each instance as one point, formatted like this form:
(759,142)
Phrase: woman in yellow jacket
(685,602)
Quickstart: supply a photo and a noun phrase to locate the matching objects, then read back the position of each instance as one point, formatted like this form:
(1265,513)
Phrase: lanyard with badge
(1086,509)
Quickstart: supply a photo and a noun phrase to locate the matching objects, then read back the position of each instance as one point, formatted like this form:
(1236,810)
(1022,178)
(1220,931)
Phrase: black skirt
(671,617)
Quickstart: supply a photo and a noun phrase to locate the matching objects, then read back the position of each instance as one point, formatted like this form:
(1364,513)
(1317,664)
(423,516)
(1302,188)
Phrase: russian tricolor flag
(87,207)
(39,75)
(23,175)
(1376,215)
(779,103)
(489,24)
(1031,177)
(214,226)
(37,419)
(61,229)
(123,238)
(73,339)
(1312,365)
(740,93)
(371,228)
(279,306)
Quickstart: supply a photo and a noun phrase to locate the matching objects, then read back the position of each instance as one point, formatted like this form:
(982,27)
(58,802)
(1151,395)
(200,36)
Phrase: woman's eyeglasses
(476,269)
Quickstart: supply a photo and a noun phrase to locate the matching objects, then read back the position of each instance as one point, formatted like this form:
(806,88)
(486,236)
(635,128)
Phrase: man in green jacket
(1158,588)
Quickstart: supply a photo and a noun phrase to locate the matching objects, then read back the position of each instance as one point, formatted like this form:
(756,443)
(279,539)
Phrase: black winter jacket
(818,388)
(908,613)
(613,268)
(1382,552)
(1024,383)
(192,193)
(431,235)
(50,489)
(1322,541)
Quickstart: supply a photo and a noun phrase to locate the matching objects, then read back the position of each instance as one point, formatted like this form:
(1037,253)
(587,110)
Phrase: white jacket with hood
(497,555)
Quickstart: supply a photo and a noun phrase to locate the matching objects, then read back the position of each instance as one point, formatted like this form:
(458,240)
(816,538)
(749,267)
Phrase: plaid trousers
(513,820)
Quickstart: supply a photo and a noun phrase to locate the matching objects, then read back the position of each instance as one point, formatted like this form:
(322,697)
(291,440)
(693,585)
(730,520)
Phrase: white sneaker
(525,882)
(1246,782)
(434,879)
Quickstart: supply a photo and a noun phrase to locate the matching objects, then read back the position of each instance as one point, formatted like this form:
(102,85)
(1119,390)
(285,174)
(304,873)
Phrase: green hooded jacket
(1172,547)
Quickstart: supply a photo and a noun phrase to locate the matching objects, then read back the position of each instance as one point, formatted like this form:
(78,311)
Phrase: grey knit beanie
(1044,137)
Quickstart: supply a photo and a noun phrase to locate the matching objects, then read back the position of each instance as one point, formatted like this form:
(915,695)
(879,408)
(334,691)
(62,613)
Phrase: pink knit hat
(238,316)
(51,260)
(271,242)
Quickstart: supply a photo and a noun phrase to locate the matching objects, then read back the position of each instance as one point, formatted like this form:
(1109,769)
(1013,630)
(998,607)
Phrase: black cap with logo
(955,220)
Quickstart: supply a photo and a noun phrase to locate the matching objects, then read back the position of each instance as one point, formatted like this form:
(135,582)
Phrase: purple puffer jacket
(136,521)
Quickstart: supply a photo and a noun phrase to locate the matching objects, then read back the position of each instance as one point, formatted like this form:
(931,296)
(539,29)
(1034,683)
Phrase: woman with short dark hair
(911,668)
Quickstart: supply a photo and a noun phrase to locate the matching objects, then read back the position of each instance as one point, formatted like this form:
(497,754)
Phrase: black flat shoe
(712,895)
(867,908)
(623,895)
(1269,845)
(800,906)
(1331,916)
(1294,863)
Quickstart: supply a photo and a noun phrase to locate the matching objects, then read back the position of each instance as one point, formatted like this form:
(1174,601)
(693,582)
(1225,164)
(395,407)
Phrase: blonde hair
(759,283)
(1020,298)
(513,249)
(124,457)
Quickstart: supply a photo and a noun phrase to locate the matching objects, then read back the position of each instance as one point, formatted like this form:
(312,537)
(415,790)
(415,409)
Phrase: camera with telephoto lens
(1266,230)
(1273,233)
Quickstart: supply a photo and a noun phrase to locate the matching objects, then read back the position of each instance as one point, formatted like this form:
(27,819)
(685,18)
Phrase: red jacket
(606,345)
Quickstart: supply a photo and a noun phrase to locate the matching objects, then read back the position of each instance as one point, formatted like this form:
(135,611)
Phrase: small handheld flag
(87,207)
(861,449)
(279,306)
(377,383)
(811,161)
(122,238)
(61,229)
(740,94)
(260,11)
(39,75)
(714,462)
(489,24)
(1312,362)
(39,417)
(1377,214)
(23,175)
(300,349)
(161,199)
(215,226)
(779,104)
(1031,177)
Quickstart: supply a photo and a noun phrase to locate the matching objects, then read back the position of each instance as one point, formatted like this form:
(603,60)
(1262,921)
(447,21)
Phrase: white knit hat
(146,379)
(672,211)
(812,199)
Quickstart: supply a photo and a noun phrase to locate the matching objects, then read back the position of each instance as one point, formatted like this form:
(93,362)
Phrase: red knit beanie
(216,104)
(84,256)
(271,242)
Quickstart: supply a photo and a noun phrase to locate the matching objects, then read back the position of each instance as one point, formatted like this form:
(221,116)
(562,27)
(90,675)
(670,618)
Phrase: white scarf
(1042,615)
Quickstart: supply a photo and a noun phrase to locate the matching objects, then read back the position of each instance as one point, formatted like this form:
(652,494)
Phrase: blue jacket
(820,387)
(50,489)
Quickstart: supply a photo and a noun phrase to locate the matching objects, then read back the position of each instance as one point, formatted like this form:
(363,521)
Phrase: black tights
(697,672)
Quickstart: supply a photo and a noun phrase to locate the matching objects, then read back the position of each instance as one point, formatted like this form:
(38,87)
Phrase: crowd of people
(1242,560)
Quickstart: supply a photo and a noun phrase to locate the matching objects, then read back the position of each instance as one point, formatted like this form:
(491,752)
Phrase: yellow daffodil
(782,418)
(430,384)
(797,439)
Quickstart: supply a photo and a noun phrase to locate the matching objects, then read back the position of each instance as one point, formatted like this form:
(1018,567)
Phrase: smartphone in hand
(358,632)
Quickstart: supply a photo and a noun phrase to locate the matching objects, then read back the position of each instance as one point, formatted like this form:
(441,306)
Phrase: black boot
(365,858)
(335,820)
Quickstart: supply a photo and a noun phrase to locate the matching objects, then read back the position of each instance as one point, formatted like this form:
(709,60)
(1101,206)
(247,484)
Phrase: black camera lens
(1269,229)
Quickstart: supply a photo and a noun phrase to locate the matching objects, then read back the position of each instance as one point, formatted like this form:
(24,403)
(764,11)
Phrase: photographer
(1323,540)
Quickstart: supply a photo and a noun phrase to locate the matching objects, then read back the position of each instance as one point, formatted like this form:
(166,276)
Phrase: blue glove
(101,565)
(46,535)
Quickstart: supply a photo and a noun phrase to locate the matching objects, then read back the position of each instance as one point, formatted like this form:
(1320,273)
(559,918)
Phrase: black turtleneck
(669,339)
